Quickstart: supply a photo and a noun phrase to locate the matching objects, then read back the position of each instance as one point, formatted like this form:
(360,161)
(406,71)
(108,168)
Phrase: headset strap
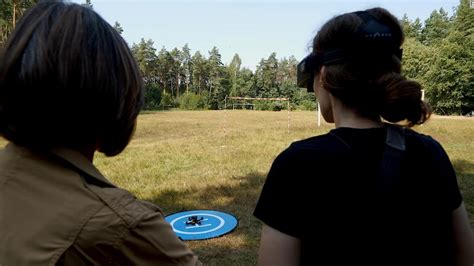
(389,171)
(392,157)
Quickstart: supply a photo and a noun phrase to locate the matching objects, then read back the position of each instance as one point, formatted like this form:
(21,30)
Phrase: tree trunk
(199,85)
(177,85)
(171,88)
(14,15)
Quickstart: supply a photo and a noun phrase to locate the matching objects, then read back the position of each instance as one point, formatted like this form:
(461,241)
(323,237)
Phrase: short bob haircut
(68,79)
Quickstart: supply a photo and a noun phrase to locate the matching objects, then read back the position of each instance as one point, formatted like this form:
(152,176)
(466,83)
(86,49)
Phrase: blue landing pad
(201,224)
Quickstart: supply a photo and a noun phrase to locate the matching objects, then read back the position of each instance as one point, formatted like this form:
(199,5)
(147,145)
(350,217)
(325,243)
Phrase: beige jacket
(58,209)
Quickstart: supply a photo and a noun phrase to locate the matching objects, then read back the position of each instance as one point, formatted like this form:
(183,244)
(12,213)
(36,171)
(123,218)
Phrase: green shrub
(307,105)
(167,101)
(192,101)
(263,105)
(152,97)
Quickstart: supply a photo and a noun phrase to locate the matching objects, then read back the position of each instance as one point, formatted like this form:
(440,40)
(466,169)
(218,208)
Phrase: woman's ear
(322,74)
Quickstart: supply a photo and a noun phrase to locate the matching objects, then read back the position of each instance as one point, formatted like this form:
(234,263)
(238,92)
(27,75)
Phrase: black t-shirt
(324,191)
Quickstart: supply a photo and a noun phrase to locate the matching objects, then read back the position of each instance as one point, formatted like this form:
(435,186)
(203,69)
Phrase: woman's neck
(347,117)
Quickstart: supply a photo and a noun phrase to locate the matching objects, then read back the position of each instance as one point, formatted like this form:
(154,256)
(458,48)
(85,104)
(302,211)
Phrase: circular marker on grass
(201,224)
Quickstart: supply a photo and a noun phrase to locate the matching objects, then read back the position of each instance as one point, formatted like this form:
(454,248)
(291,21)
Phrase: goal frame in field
(287,100)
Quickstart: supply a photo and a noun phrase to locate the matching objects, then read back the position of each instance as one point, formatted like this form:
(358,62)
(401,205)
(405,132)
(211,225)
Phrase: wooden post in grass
(225,118)
(288,105)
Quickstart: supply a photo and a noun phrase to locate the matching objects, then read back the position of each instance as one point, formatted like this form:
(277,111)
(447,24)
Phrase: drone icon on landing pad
(194,220)
(201,224)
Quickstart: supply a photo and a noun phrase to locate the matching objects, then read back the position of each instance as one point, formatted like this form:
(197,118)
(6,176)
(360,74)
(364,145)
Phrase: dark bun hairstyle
(371,82)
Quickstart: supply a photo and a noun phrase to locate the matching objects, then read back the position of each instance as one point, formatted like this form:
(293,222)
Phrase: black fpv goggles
(372,40)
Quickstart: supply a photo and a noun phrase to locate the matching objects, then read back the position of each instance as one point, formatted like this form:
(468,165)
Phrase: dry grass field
(218,160)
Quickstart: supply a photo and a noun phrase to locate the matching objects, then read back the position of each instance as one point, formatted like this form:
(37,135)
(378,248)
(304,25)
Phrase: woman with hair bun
(69,86)
(370,192)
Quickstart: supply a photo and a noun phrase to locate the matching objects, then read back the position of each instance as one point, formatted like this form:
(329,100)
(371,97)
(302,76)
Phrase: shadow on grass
(465,174)
(237,197)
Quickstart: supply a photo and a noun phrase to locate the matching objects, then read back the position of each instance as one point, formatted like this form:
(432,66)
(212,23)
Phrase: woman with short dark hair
(69,86)
(368,192)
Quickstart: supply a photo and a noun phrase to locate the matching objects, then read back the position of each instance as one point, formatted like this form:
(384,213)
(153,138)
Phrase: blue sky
(253,29)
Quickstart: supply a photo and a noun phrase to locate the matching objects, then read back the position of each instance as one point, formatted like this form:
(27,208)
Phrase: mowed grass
(208,160)
(219,159)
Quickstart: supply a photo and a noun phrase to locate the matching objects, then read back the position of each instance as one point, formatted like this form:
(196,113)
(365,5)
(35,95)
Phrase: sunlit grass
(209,160)
(183,160)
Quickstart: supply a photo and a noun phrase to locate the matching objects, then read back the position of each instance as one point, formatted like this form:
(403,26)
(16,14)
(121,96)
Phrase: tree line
(178,78)
(438,53)
(10,12)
